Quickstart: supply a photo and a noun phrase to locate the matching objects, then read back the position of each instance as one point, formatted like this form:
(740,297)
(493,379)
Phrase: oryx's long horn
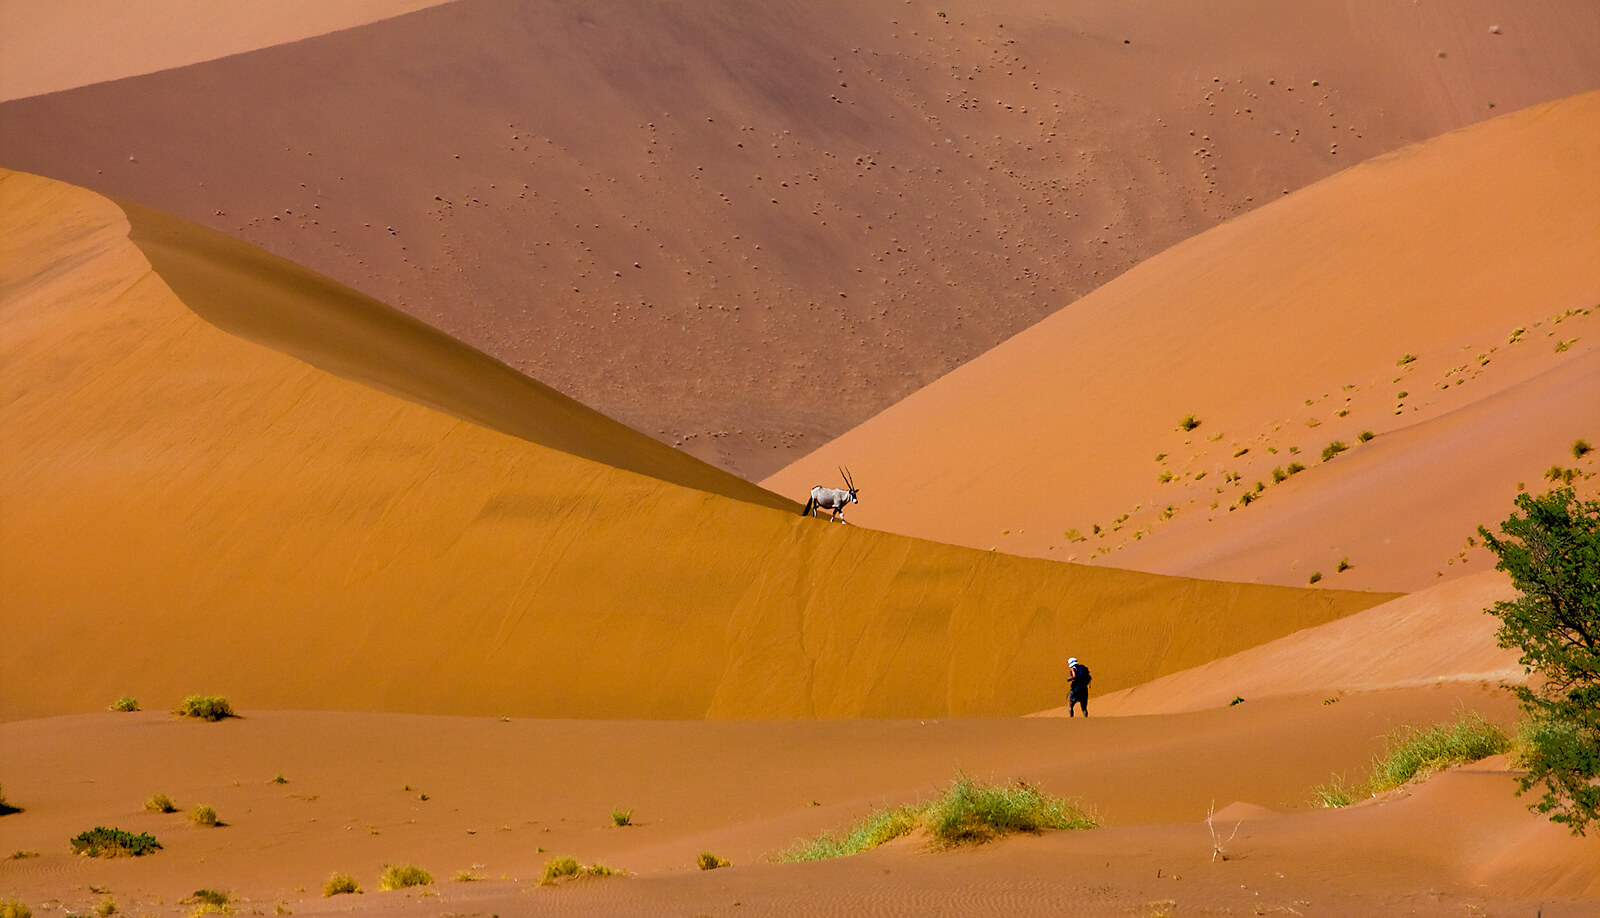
(845,473)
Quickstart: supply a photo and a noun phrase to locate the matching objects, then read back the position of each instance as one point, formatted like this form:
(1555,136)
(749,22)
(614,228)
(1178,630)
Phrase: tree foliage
(1551,550)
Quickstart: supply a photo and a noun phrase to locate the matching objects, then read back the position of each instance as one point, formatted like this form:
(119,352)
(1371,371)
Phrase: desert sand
(744,230)
(465,618)
(345,548)
(1443,298)
(64,44)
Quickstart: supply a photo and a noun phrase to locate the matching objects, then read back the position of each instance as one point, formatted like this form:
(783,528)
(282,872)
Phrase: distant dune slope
(188,511)
(62,44)
(1443,298)
(747,227)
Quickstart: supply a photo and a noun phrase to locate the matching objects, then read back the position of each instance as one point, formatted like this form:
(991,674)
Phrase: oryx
(833,500)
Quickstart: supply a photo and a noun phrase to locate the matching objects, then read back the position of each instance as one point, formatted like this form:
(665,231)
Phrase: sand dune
(50,47)
(745,229)
(1443,298)
(189,511)
(503,797)
(1437,635)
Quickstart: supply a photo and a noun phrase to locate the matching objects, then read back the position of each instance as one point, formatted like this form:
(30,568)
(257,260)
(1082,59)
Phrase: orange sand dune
(62,44)
(189,511)
(499,798)
(745,228)
(1442,297)
(1441,634)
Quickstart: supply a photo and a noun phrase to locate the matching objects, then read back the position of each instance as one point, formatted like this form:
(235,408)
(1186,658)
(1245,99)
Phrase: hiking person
(1079,693)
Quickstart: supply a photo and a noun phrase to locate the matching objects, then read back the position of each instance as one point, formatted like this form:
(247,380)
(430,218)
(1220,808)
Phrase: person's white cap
(1073,661)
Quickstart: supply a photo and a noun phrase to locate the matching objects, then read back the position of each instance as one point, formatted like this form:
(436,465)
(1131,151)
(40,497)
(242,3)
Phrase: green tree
(1551,550)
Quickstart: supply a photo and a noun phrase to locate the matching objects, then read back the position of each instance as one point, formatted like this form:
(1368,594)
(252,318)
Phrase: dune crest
(188,510)
(1188,417)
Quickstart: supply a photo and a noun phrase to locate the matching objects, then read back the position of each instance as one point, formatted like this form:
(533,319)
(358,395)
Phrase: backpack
(1082,675)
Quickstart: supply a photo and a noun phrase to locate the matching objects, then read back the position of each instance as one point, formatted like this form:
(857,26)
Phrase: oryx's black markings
(833,500)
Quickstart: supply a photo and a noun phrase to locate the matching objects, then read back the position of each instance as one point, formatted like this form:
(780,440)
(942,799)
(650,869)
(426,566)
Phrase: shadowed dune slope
(189,511)
(1442,298)
(747,227)
(48,47)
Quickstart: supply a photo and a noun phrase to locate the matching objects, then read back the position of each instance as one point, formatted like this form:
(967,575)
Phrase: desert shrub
(1365,435)
(1411,753)
(279,779)
(203,815)
(1344,565)
(160,803)
(1315,576)
(966,812)
(559,867)
(1237,700)
(22,855)
(1405,359)
(106,907)
(622,818)
(1581,448)
(400,876)
(340,884)
(1279,475)
(7,808)
(709,861)
(103,842)
(14,908)
(1333,449)
(209,902)
(466,876)
(205,707)
(126,703)
(1165,476)
(1417,753)
(1189,422)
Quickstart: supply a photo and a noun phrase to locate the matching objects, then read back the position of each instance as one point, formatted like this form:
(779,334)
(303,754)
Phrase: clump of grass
(206,707)
(1364,436)
(1405,359)
(7,808)
(1413,753)
(966,812)
(1333,449)
(1189,422)
(22,855)
(127,703)
(620,817)
(14,908)
(558,868)
(465,875)
(1315,576)
(340,884)
(103,842)
(106,907)
(1344,565)
(1237,699)
(279,779)
(1418,753)
(209,902)
(204,816)
(1165,476)
(1581,448)
(160,803)
(400,876)
(709,861)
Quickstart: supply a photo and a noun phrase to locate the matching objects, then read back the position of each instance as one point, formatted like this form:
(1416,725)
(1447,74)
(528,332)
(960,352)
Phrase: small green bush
(621,818)
(1365,435)
(160,803)
(106,907)
(209,902)
(400,876)
(709,861)
(205,816)
(1333,449)
(1237,699)
(206,707)
(966,812)
(1405,359)
(22,855)
(466,876)
(14,908)
(7,808)
(1344,565)
(558,868)
(340,884)
(1315,576)
(1581,448)
(1411,753)
(1189,422)
(103,842)
(279,779)
(126,703)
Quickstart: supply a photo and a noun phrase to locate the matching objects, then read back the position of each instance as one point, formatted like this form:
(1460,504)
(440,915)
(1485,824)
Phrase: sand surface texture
(188,510)
(63,44)
(744,229)
(1442,298)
